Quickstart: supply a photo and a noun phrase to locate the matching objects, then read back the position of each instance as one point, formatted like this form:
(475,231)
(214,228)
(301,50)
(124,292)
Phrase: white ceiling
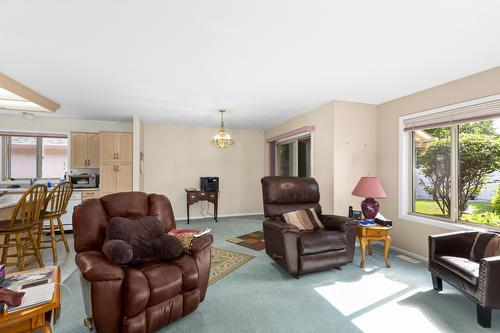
(263,60)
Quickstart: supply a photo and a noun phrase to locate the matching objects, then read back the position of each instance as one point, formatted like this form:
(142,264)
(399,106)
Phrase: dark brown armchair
(299,251)
(145,297)
(478,280)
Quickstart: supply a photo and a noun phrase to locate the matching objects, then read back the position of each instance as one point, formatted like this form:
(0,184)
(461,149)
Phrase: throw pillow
(486,244)
(304,219)
(131,241)
(186,237)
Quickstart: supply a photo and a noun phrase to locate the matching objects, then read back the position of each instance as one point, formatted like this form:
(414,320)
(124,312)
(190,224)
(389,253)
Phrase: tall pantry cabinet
(115,152)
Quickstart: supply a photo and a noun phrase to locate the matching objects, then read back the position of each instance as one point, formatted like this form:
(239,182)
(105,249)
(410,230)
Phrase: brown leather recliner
(298,251)
(478,280)
(142,298)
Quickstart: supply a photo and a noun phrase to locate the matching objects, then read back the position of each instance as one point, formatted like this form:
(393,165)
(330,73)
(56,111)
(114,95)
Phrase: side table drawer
(375,232)
(193,197)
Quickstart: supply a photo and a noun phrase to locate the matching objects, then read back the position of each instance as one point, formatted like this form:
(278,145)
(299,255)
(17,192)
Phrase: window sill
(458,226)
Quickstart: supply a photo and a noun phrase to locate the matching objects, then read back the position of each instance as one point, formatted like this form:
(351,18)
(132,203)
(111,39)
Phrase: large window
(293,157)
(26,156)
(456,172)
(22,157)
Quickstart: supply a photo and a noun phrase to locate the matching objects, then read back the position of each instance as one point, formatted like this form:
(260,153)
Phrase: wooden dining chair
(19,231)
(55,206)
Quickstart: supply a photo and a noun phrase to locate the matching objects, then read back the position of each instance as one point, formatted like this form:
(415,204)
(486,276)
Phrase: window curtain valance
(465,114)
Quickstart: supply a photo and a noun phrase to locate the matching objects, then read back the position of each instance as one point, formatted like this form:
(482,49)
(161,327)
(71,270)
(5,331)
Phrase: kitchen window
(27,156)
(454,164)
(293,157)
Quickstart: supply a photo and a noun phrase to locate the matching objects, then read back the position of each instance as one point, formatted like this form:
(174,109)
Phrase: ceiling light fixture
(17,97)
(222,139)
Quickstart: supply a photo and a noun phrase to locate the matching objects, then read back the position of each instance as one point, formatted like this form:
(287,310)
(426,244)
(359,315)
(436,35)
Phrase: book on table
(37,286)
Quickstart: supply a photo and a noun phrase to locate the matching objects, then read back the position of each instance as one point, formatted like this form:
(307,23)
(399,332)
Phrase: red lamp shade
(369,187)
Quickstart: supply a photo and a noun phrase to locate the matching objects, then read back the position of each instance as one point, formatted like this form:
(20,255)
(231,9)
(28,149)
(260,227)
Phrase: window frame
(5,138)
(294,139)
(406,179)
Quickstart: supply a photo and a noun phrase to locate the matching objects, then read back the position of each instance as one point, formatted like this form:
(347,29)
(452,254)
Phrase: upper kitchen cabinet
(84,150)
(116,147)
(93,149)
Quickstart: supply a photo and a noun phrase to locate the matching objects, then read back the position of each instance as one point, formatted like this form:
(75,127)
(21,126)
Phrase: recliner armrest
(280,226)
(94,267)
(336,222)
(201,243)
(456,244)
(282,244)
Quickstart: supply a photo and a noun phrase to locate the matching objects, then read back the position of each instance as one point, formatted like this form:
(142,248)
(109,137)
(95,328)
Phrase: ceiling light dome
(222,139)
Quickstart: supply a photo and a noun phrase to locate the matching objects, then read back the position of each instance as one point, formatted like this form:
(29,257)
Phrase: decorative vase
(370,208)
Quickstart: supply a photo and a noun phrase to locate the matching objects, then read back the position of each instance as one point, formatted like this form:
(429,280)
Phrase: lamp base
(370,208)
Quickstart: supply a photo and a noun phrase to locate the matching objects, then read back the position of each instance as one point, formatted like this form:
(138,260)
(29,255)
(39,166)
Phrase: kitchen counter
(22,190)
(9,200)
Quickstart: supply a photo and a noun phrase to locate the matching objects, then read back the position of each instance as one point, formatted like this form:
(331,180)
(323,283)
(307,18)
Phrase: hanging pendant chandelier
(222,139)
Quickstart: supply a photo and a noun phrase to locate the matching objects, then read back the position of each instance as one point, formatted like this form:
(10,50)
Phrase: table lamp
(369,188)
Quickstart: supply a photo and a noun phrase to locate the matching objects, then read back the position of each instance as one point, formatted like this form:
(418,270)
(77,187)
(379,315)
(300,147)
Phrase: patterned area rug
(224,262)
(253,240)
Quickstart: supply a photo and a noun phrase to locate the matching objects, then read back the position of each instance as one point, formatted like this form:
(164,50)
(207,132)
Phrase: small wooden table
(367,234)
(193,196)
(37,316)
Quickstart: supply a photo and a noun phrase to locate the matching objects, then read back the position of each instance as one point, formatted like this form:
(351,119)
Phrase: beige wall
(343,149)
(412,236)
(176,156)
(322,147)
(354,151)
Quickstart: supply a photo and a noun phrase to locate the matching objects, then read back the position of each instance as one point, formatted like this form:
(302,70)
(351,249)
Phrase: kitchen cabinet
(116,147)
(115,177)
(93,149)
(89,194)
(84,150)
(124,177)
(116,162)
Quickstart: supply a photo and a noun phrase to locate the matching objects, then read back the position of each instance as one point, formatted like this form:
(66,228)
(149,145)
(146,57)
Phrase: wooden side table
(193,196)
(367,234)
(37,316)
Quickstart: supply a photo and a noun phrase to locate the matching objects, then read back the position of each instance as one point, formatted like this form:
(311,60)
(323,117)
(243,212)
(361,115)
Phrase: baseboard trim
(402,251)
(199,217)
(410,254)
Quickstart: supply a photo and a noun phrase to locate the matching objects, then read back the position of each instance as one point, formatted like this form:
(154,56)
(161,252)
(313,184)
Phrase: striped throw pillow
(486,244)
(305,219)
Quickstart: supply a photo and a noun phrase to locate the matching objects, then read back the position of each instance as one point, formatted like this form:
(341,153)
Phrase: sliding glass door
(293,157)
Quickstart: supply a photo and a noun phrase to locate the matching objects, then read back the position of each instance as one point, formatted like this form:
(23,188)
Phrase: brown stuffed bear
(131,241)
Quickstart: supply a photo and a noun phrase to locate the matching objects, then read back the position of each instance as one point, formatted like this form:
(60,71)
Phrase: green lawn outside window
(481,212)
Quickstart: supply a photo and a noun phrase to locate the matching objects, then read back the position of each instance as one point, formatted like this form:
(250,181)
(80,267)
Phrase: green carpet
(261,297)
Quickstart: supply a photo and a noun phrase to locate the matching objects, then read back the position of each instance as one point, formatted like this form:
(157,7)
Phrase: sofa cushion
(486,244)
(463,267)
(304,219)
(321,241)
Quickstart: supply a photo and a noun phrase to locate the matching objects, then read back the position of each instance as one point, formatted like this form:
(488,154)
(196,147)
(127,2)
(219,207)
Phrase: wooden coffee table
(37,316)
(367,234)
